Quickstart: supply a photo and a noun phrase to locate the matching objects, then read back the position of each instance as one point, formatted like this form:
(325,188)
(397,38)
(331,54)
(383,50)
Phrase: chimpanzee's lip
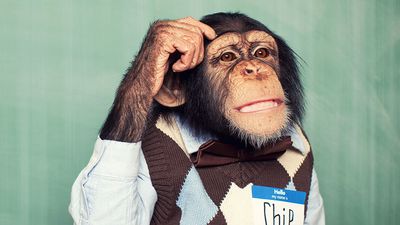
(260,105)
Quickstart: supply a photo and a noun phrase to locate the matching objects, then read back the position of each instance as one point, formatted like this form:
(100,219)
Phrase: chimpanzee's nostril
(249,71)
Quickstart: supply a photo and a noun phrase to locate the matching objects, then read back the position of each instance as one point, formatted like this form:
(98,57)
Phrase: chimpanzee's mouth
(259,105)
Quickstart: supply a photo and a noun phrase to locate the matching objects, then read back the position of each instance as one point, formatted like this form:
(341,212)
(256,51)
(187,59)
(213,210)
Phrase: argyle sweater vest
(213,195)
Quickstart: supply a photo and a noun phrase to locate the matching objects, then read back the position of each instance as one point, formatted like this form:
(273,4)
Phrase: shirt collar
(192,143)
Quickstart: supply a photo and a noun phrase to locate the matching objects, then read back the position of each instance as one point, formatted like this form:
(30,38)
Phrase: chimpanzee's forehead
(233,38)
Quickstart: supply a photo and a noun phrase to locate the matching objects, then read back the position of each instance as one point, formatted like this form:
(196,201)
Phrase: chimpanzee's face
(246,65)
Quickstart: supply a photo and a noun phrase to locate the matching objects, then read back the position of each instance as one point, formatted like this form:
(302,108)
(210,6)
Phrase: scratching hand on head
(184,36)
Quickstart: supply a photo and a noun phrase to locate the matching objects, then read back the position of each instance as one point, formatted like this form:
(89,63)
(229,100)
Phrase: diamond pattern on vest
(236,205)
(291,160)
(196,206)
(219,219)
(216,186)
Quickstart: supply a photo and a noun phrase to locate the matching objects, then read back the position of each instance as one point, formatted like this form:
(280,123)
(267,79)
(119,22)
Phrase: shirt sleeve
(315,210)
(114,188)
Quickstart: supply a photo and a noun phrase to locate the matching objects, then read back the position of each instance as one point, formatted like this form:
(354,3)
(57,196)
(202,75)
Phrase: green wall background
(61,61)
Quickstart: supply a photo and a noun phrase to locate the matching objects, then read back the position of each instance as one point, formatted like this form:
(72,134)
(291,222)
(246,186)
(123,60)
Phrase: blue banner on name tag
(277,194)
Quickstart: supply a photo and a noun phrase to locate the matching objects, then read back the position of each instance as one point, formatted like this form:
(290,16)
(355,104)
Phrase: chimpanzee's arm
(126,120)
(144,78)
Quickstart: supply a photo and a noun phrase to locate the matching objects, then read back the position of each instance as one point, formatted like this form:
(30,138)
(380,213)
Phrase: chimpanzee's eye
(228,56)
(261,53)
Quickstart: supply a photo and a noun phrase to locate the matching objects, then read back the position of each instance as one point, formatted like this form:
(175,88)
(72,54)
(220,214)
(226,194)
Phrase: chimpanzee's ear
(171,93)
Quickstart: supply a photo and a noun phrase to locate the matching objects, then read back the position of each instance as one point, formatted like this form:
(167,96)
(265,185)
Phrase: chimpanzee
(205,128)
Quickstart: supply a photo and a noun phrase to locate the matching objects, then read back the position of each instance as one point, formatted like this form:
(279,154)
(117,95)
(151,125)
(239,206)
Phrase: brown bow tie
(214,153)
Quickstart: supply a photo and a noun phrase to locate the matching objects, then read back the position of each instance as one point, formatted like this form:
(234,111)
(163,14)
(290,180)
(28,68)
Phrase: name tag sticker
(275,206)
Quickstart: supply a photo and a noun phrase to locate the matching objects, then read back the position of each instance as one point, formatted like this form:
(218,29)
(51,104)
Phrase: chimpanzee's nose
(251,69)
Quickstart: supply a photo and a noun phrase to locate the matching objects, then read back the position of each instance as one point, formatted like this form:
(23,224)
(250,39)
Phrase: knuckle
(162,36)
(198,30)
(157,24)
(189,44)
(199,38)
(160,25)
(188,66)
(194,37)
(191,40)
(187,19)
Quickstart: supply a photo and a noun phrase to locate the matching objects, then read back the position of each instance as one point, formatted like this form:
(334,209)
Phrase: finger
(186,26)
(192,34)
(173,30)
(196,40)
(205,29)
(201,52)
(187,50)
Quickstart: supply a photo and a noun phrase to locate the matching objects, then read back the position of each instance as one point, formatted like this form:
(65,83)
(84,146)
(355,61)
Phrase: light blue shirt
(115,187)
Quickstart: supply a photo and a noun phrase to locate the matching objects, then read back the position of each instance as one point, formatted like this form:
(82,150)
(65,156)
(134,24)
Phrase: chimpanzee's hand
(184,36)
(141,83)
